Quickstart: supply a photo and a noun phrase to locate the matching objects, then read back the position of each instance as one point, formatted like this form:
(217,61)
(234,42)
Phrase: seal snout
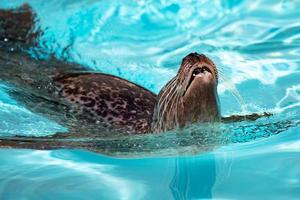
(191,96)
(200,71)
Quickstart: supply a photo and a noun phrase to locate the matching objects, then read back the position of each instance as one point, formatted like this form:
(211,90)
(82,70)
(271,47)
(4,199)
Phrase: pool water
(256,47)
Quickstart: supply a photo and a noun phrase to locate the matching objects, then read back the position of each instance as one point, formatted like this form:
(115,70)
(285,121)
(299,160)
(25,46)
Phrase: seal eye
(197,71)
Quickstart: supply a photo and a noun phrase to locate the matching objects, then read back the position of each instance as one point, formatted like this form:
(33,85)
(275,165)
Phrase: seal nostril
(197,71)
(205,68)
(201,70)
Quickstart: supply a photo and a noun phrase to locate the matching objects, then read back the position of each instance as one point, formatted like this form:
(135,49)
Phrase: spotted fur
(107,100)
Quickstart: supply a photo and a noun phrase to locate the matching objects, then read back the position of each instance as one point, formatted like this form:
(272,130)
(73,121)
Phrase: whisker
(165,105)
(233,90)
(167,88)
(174,99)
(166,97)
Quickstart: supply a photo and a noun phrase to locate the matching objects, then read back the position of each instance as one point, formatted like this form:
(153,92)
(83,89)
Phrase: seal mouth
(199,71)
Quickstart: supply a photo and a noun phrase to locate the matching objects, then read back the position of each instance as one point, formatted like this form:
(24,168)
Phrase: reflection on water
(256,48)
(74,173)
(90,177)
(251,168)
(189,181)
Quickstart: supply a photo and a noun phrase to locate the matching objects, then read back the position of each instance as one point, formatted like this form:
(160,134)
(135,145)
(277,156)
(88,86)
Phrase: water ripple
(256,46)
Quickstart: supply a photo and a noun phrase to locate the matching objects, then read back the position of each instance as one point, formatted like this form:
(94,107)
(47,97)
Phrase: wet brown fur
(180,104)
(82,100)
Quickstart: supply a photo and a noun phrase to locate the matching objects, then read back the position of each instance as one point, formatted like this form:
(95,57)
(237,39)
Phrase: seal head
(191,96)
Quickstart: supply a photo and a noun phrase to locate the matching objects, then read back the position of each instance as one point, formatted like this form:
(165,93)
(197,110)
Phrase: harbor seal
(93,105)
(191,96)
(90,102)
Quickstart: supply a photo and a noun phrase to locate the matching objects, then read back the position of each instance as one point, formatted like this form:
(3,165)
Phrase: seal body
(107,101)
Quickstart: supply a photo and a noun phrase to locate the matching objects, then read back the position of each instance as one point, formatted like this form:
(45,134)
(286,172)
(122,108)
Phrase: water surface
(256,46)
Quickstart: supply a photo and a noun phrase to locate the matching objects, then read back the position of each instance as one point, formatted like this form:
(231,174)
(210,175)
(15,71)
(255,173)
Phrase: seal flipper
(249,117)
(57,141)
(18,32)
(17,28)
(41,143)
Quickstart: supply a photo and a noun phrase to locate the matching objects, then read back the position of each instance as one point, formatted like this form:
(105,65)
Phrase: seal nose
(201,70)
(197,71)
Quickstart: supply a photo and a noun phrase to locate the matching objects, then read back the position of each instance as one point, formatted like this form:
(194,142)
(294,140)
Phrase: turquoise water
(256,46)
